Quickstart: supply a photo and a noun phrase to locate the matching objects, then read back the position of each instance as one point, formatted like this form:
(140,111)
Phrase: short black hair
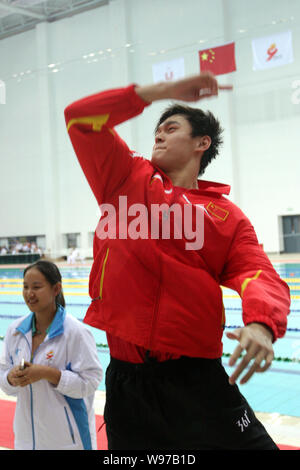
(202,123)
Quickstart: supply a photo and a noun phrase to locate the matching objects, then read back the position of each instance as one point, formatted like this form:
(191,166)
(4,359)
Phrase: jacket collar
(211,186)
(203,185)
(56,327)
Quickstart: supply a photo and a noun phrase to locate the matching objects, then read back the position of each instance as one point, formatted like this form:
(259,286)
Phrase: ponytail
(60,300)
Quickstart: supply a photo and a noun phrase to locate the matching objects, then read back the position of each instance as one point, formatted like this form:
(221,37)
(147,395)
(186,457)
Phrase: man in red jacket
(158,297)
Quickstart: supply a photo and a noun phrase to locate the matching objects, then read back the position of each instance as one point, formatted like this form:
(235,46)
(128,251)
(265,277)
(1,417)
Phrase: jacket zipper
(32,422)
(155,313)
(70,425)
(156,307)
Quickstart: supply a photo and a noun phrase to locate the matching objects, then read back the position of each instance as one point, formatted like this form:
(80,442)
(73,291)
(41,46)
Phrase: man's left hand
(256,339)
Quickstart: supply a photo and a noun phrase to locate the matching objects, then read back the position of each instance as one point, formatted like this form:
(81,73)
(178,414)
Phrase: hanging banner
(218,60)
(272,51)
(168,71)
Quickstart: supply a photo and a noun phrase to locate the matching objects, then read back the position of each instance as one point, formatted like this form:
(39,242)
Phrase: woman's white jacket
(49,417)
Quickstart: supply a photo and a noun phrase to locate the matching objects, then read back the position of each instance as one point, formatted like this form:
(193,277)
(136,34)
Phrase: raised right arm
(104,157)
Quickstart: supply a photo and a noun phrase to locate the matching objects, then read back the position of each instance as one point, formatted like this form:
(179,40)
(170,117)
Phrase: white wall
(42,188)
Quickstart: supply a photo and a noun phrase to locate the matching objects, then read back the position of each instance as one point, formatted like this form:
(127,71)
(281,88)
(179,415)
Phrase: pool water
(275,391)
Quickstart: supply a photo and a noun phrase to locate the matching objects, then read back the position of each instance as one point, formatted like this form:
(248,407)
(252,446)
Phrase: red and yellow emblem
(49,355)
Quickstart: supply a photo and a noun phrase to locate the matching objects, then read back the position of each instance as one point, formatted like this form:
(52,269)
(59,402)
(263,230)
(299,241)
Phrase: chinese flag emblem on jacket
(218,60)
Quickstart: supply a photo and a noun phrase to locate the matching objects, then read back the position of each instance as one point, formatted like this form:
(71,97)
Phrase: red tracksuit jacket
(153,292)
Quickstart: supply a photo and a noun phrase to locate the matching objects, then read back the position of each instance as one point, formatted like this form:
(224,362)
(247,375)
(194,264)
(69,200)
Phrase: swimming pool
(275,391)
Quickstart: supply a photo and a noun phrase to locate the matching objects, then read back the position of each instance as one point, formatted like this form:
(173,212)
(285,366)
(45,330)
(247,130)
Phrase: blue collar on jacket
(56,327)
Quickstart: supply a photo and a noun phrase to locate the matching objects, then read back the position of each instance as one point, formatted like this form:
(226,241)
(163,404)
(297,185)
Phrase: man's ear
(204,143)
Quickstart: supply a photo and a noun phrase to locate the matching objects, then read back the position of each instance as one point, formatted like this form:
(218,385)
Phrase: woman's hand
(33,373)
(30,374)
(13,376)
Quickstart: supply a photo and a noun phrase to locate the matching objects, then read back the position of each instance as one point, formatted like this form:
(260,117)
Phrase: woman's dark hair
(51,272)
(202,123)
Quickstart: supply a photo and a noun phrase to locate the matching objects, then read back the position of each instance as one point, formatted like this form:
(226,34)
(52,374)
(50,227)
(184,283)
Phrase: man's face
(174,146)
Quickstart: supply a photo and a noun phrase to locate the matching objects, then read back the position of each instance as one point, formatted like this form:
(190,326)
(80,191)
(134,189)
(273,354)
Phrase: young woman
(50,362)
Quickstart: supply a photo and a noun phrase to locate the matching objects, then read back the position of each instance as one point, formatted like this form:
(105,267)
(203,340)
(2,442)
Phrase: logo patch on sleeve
(217,211)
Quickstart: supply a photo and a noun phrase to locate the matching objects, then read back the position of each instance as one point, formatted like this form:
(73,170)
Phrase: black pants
(179,404)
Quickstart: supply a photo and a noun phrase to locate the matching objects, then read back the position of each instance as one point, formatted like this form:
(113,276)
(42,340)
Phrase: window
(73,240)
(291,233)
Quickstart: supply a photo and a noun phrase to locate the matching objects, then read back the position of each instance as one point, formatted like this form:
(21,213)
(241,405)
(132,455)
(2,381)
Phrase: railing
(19,258)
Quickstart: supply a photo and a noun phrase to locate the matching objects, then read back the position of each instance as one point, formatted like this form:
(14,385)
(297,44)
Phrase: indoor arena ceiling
(17,16)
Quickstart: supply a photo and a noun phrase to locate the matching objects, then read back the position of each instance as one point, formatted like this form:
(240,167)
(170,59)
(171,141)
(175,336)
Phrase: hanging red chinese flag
(218,60)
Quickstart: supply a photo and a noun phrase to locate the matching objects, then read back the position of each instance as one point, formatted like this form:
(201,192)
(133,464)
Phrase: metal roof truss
(17,16)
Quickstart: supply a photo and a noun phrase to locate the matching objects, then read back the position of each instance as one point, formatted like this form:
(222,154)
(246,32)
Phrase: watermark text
(161,221)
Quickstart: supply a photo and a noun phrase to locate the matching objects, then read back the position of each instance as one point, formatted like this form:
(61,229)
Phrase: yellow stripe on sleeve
(247,280)
(96,121)
(102,273)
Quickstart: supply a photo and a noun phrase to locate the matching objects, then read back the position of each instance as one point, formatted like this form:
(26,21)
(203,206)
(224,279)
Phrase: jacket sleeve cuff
(6,387)
(137,101)
(266,321)
(63,385)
